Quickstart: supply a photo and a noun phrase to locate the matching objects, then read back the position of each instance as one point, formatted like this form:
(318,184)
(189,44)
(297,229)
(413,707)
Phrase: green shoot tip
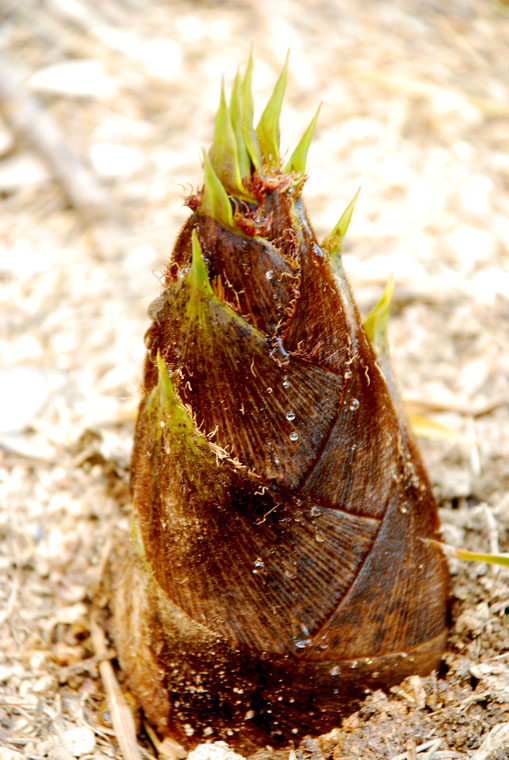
(267,130)
(375,323)
(297,162)
(198,276)
(334,240)
(215,202)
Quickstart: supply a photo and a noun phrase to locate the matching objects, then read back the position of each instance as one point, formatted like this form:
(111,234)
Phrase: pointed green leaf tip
(334,240)
(297,162)
(248,132)
(375,323)
(178,424)
(492,559)
(215,201)
(224,153)
(267,130)
(237,115)
(198,276)
(167,396)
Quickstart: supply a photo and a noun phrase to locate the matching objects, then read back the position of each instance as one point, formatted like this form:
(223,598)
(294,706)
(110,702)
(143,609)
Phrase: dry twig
(29,120)
(121,717)
(429,748)
(497,738)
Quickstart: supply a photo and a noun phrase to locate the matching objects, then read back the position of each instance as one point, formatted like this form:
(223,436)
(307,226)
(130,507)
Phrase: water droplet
(375,673)
(302,643)
(294,436)
(354,404)
(320,537)
(290,570)
(347,374)
(286,384)
(354,664)
(404,508)
(259,565)
(269,274)
(315,512)
(269,390)
(335,670)
(290,416)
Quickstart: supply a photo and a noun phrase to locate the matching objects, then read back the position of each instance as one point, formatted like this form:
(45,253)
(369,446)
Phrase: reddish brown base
(193,685)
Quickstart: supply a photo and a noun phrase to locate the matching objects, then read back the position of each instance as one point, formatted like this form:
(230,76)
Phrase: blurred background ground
(416,112)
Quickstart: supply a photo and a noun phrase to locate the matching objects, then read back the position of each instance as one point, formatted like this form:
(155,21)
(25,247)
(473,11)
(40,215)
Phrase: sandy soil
(415,111)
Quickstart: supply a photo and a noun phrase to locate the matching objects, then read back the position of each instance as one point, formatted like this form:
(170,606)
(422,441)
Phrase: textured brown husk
(280,565)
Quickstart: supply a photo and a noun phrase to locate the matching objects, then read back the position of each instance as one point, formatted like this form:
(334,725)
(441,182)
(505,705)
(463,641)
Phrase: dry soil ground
(416,112)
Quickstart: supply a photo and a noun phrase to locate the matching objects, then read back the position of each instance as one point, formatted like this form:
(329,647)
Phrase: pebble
(73,78)
(214,751)
(46,685)
(79,741)
(10,754)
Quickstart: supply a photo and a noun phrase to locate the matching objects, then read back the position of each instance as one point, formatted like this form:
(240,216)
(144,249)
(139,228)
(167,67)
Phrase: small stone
(74,78)
(10,754)
(46,685)
(214,751)
(79,741)
(37,660)
(21,171)
(5,673)
(114,161)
